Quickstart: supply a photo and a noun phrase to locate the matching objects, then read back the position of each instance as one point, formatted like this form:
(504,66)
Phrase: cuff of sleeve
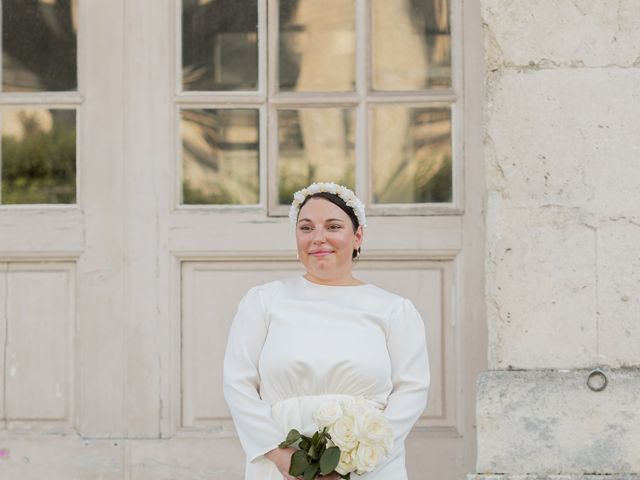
(256,455)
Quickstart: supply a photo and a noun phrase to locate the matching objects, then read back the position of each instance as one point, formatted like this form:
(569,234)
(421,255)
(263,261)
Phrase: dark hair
(338,201)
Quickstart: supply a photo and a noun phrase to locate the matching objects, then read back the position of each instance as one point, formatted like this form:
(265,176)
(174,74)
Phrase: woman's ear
(359,236)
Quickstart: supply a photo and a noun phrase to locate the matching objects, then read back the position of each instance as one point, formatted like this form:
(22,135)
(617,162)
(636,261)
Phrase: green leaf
(329,460)
(311,471)
(305,444)
(322,448)
(313,453)
(292,437)
(299,463)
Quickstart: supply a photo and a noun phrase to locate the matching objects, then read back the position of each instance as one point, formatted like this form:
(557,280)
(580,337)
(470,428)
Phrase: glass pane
(220,161)
(315,145)
(317,45)
(411,154)
(39,45)
(411,44)
(219,45)
(38,156)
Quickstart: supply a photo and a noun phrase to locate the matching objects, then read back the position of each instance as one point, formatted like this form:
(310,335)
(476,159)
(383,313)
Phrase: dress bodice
(327,340)
(294,343)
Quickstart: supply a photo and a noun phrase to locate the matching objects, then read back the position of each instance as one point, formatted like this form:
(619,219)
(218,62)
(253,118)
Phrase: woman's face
(326,240)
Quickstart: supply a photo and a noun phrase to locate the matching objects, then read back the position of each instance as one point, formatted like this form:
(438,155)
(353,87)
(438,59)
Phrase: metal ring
(597,380)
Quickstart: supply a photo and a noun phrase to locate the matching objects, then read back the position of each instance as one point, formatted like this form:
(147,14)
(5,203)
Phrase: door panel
(129,293)
(211,290)
(40,318)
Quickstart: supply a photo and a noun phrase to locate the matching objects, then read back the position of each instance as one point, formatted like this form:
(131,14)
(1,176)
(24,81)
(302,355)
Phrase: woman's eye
(305,228)
(335,227)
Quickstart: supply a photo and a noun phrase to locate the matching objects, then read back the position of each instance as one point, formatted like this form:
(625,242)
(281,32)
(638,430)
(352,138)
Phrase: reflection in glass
(38,156)
(411,44)
(39,45)
(315,145)
(317,45)
(411,154)
(220,156)
(219,45)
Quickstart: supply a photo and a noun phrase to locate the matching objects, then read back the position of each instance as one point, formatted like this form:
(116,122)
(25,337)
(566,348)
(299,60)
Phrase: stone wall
(562,149)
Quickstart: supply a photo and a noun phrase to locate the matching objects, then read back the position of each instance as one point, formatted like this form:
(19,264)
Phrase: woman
(325,335)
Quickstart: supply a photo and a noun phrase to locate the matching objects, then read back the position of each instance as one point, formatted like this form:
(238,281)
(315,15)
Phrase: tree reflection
(39,163)
(220,156)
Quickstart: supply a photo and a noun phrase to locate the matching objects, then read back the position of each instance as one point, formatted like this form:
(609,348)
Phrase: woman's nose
(318,235)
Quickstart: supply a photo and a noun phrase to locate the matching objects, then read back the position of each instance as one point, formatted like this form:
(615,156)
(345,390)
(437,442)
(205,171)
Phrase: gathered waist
(317,399)
(297,412)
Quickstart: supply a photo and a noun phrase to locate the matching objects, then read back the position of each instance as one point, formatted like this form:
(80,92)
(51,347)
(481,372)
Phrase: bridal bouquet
(353,436)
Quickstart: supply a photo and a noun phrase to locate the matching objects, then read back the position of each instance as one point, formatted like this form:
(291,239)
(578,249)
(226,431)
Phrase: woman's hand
(281,457)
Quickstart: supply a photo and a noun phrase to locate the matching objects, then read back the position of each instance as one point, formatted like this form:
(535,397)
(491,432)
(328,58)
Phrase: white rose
(356,406)
(327,413)
(367,457)
(342,432)
(373,428)
(347,462)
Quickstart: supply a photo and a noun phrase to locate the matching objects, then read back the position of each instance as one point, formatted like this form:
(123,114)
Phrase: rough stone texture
(551,33)
(566,137)
(563,202)
(619,293)
(553,477)
(562,150)
(550,289)
(527,424)
(562,154)
(542,293)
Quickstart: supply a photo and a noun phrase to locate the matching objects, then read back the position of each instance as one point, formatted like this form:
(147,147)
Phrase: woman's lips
(320,253)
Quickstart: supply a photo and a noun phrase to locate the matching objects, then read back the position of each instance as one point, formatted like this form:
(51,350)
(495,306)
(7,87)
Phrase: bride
(297,342)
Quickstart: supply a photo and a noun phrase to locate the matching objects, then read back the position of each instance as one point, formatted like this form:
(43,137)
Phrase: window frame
(268,100)
(52,100)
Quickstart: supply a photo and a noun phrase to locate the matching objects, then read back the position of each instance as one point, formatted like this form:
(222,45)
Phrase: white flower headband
(343,192)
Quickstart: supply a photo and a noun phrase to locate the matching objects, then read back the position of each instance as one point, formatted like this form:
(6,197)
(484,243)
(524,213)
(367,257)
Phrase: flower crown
(343,192)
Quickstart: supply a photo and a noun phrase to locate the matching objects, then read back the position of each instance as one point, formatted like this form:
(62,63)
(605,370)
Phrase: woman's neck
(346,280)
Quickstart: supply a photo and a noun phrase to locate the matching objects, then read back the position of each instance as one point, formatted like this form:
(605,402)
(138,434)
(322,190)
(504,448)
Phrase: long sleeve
(241,381)
(410,375)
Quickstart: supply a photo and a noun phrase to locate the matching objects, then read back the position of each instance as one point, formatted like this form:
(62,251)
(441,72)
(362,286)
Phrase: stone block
(619,293)
(57,457)
(551,33)
(566,137)
(541,288)
(187,457)
(552,477)
(550,423)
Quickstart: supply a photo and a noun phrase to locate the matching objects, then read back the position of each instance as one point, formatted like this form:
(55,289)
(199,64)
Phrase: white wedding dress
(294,343)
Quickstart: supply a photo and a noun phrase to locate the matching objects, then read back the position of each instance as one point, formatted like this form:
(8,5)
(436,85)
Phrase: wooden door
(195,120)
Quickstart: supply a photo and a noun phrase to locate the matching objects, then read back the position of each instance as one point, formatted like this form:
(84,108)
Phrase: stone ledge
(631,476)
(549,422)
